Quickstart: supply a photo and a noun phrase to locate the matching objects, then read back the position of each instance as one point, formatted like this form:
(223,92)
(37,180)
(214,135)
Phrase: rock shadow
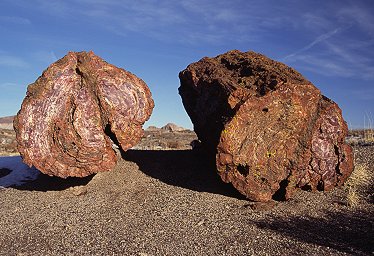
(50,183)
(183,168)
(348,232)
(16,174)
(4,172)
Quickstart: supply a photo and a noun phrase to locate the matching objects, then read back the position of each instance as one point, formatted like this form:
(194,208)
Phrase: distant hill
(6,122)
(170,127)
(152,129)
(6,119)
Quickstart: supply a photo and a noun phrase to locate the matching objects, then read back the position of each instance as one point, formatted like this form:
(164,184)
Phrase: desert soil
(171,202)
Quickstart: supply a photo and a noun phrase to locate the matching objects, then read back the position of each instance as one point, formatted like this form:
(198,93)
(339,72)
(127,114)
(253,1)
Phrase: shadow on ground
(47,183)
(182,168)
(350,232)
(4,172)
(15,174)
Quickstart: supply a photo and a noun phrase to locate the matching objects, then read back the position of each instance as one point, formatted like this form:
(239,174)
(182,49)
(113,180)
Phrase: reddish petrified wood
(71,112)
(271,129)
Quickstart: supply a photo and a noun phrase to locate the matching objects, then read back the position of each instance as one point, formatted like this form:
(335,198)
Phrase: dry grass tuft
(358,185)
(364,137)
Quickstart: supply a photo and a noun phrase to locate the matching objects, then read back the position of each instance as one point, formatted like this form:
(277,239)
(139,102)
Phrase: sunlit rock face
(75,110)
(272,131)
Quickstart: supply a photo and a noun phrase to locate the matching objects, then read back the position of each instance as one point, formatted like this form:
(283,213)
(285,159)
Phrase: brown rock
(271,129)
(79,190)
(213,89)
(72,111)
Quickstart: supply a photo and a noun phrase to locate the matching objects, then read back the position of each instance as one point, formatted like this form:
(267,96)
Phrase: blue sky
(330,42)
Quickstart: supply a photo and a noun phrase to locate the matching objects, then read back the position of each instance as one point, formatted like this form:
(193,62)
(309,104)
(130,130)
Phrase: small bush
(173,144)
(358,185)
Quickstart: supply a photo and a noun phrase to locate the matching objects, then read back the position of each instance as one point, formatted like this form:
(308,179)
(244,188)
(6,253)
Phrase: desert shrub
(364,137)
(173,144)
(358,185)
(369,137)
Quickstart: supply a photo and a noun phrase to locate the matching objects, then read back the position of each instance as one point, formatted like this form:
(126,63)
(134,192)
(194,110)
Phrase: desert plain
(163,198)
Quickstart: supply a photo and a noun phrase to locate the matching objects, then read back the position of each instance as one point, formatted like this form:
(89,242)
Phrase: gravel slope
(171,203)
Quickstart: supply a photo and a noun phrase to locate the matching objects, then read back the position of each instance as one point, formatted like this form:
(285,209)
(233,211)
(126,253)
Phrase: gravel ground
(171,203)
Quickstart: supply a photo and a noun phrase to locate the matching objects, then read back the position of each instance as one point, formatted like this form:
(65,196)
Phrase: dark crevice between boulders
(112,136)
(320,185)
(340,157)
(280,194)
(306,187)
(78,72)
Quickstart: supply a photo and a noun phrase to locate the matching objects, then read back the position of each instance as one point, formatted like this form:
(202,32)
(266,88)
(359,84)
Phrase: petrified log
(74,110)
(271,129)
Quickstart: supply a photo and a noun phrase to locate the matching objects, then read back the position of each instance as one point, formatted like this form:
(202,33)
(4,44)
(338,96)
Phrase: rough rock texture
(71,113)
(271,129)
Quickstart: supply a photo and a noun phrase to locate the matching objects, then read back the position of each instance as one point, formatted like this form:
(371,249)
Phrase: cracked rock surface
(271,129)
(74,112)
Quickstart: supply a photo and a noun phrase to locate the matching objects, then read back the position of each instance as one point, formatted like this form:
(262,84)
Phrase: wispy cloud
(15,20)
(316,22)
(211,11)
(13,62)
(336,61)
(361,16)
(7,85)
(169,20)
(346,50)
(361,64)
(364,93)
(164,20)
(319,39)
(8,91)
(229,23)
(46,57)
(321,65)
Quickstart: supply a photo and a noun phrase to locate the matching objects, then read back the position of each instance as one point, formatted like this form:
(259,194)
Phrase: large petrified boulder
(271,129)
(74,112)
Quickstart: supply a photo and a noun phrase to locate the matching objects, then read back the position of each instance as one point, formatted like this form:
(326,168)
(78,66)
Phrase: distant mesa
(152,128)
(6,119)
(6,122)
(170,127)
